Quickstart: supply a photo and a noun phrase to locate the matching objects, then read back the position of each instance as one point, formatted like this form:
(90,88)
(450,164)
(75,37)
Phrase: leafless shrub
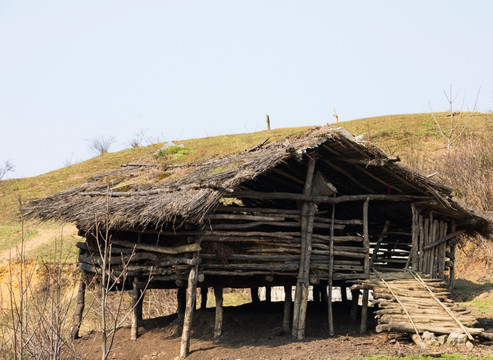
(141,138)
(5,168)
(35,319)
(101,144)
(456,126)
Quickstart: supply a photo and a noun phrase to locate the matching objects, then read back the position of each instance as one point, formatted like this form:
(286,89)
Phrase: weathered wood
(407,327)
(379,242)
(366,245)
(331,271)
(414,237)
(181,298)
(287,309)
(218,322)
(254,295)
(136,311)
(421,243)
(79,308)
(452,258)
(188,248)
(322,199)
(203,297)
(302,282)
(444,239)
(190,305)
(354,305)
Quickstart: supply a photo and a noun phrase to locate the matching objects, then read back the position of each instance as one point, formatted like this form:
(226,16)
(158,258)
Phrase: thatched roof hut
(292,212)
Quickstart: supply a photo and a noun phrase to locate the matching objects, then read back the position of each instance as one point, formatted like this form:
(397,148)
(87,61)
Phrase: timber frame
(318,210)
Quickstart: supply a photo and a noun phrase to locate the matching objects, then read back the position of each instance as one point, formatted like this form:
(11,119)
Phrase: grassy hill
(408,136)
(414,137)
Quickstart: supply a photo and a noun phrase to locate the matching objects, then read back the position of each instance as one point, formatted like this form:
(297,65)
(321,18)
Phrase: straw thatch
(141,195)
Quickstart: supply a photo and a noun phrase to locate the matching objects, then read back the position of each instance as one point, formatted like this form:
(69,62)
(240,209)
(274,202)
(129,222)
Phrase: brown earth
(251,332)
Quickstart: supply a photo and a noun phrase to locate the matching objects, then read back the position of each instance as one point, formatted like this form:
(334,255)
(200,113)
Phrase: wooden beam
(79,309)
(187,321)
(444,239)
(322,199)
(287,309)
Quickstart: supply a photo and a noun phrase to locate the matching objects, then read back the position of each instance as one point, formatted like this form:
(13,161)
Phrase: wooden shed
(320,208)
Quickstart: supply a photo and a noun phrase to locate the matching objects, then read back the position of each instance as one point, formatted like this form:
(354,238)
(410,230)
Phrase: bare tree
(5,168)
(101,144)
(452,134)
(140,138)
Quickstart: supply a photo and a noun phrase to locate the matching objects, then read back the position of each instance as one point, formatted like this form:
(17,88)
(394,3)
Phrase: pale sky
(71,71)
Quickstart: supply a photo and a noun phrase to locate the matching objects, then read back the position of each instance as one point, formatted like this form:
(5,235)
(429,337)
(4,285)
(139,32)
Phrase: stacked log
(406,305)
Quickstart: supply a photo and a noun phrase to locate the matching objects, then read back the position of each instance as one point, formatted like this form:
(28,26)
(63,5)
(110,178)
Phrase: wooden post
(434,263)
(268,297)
(323,294)
(366,266)
(287,309)
(203,297)
(354,305)
(187,321)
(254,295)
(181,298)
(452,258)
(268,121)
(331,272)
(218,323)
(426,240)
(302,281)
(79,309)
(136,311)
(343,293)
(421,243)
(414,238)
(306,273)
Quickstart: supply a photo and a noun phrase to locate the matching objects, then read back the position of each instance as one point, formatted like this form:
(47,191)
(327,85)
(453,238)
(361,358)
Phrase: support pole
(354,305)
(218,323)
(254,295)
(181,298)
(79,309)
(203,297)
(287,309)
(331,272)
(136,311)
(415,237)
(187,321)
(451,280)
(366,244)
(302,280)
(268,295)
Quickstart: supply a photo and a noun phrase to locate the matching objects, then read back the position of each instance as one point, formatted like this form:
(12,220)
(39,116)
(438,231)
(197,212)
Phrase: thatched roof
(140,195)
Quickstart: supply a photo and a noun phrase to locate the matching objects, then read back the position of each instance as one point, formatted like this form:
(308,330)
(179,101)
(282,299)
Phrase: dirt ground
(251,332)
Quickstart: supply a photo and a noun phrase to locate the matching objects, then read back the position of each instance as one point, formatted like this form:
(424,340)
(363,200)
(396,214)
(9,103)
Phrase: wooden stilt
(254,295)
(181,299)
(136,311)
(343,293)
(305,281)
(302,280)
(415,237)
(331,272)
(79,309)
(354,305)
(316,292)
(287,309)
(218,323)
(421,243)
(366,244)
(268,297)
(452,259)
(323,291)
(187,321)
(203,297)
